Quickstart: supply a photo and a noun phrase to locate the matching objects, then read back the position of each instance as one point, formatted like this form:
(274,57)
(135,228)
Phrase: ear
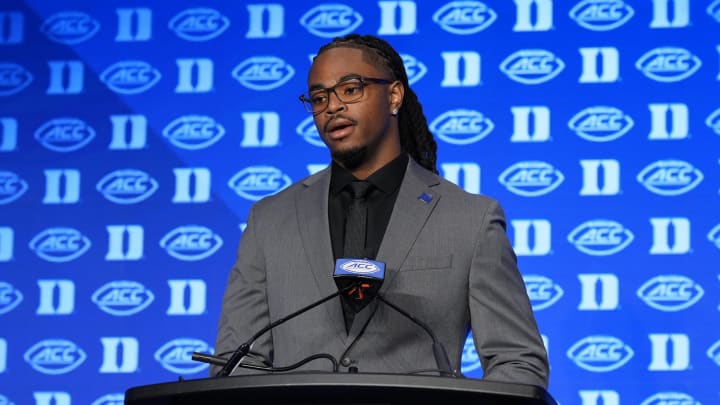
(396,95)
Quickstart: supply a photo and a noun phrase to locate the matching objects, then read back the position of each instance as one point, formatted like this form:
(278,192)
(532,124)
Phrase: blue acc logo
(60,244)
(713,121)
(309,132)
(11,187)
(331,20)
(130,77)
(531,178)
(176,355)
(668,64)
(532,66)
(194,132)
(462,127)
(263,72)
(670,293)
(542,291)
(70,27)
(110,399)
(65,134)
(127,186)
(601,15)
(464,17)
(668,398)
(55,356)
(600,237)
(601,123)
(670,177)
(122,297)
(191,242)
(256,182)
(414,68)
(714,236)
(13,78)
(470,358)
(10,297)
(600,353)
(362,267)
(199,24)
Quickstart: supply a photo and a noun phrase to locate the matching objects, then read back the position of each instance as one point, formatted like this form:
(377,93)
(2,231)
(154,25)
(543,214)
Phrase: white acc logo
(414,68)
(600,237)
(600,353)
(64,134)
(127,186)
(670,293)
(464,17)
(263,72)
(122,297)
(60,244)
(668,64)
(670,177)
(191,242)
(13,78)
(667,398)
(331,20)
(462,127)
(199,24)
(130,77)
(256,182)
(601,123)
(55,356)
(10,298)
(175,355)
(194,132)
(601,15)
(542,291)
(12,187)
(531,178)
(309,132)
(532,66)
(70,27)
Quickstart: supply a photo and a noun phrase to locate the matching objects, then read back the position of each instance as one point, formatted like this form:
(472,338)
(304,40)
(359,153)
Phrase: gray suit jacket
(448,262)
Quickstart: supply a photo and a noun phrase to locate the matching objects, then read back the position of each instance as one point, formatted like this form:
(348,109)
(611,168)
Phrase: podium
(337,388)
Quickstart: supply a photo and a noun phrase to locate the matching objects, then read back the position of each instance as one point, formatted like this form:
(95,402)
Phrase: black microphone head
(359,280)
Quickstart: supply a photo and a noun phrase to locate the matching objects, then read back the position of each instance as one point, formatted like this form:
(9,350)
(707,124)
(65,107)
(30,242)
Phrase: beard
(351,158)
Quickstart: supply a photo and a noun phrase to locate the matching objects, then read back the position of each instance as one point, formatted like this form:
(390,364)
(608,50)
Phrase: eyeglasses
(349,90)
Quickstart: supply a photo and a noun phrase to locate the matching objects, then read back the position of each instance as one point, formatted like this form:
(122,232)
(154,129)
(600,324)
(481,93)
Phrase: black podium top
(337,388)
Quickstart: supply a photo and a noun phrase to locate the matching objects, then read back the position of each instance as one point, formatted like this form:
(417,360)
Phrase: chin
(352,157)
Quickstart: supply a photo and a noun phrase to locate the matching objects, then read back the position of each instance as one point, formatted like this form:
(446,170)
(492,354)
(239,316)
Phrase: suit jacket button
(346,361)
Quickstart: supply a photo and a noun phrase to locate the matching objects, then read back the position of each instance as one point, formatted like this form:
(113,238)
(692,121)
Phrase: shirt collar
(387,178)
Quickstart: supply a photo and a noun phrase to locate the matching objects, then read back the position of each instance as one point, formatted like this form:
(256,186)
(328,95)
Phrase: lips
(339,127)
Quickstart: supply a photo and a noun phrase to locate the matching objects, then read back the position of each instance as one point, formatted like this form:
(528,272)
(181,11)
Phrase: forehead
(335,63)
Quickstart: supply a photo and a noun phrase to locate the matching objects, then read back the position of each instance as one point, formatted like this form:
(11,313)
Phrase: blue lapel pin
(425,197)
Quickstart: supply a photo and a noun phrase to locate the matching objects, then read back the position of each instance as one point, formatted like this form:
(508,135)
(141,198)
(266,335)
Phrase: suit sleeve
(504,328)
(244,307)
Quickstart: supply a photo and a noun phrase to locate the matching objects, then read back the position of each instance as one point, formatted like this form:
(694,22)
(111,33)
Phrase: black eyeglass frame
(305,99)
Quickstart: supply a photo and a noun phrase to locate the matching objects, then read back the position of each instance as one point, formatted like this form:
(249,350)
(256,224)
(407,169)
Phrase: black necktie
(356,221)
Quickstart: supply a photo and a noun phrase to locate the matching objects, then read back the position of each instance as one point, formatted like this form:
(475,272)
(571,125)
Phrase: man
(448,260)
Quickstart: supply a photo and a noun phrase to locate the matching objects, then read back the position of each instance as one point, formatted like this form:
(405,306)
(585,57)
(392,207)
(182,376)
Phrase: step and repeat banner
(135,136)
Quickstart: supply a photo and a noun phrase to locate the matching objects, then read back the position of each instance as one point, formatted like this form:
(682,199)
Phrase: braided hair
(415,136)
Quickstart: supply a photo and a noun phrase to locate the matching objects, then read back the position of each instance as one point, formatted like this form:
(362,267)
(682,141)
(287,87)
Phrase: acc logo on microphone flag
(600,353)
(601,15)
(60,244)
(176,355)
(309,132)
(670,177)
(531,178)
(55,356)
(331,20)
(256,182)
(601,123)
(670,293)
(600,237)
(668,64)
(193,132)
(462,127)
(191,242)
(263,72)
(13,78)
(361,267)
(10,297)
(11,187)
(532,66)
(542,291)
(122,297)
(464,17)
(667,398)
(70,27)
(199,24)
(130,77)
(127,186)
(64,134)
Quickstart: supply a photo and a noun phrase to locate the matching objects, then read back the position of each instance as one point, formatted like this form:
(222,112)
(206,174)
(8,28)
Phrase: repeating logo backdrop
(135,137)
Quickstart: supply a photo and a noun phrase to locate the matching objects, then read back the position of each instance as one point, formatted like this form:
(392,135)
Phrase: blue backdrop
(135,135)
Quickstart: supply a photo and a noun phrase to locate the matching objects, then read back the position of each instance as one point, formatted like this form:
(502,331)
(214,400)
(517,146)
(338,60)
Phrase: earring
(394,111)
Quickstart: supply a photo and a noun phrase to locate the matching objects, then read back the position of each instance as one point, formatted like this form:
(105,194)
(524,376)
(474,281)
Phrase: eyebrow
(341,79)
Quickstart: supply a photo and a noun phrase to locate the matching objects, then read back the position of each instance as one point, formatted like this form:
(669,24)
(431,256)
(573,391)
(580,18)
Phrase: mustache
(337,117)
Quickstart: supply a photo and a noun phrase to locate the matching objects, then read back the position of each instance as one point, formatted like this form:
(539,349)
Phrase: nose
(334,103)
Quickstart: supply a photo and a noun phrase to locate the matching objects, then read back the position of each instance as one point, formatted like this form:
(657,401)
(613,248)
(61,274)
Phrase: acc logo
(309,132)
(462,127)
(601,15)
(70,27)
(10,297)
(130,77)
(600,237)
(360,267)
(122,297)
(60,244)
(670,293)
(13,78)
(256,182)
(65,134)
(110,399)
(263,72)
(600,353)
(414,68)
(531,178)
(55,356)
(470,359)
(191,242)
(532,66)
(464,17)
(199,24)
(194,132)
(331,20)
(668,64)
(176,355)
(670,177)
(11,187)
(667,398)
(714,236)
(713,121)
(127,186)
(542,291)
(601,123)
